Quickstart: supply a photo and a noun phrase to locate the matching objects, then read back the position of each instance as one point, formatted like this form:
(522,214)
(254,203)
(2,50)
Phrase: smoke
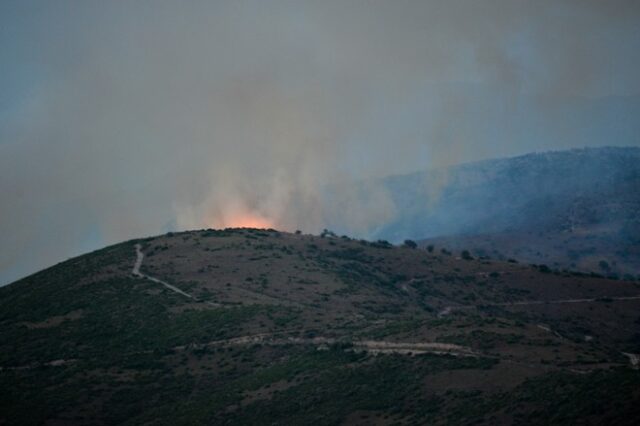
(125,119)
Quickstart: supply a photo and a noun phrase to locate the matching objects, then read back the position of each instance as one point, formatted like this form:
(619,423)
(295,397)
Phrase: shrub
(327,233)
(382,244)
(410,244)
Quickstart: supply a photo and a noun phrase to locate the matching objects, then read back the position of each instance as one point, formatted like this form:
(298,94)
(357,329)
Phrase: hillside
(587,250)
(571,209)
(246,326)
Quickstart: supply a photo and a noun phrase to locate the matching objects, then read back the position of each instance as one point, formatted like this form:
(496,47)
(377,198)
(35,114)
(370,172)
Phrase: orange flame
(235,217)
(248,220)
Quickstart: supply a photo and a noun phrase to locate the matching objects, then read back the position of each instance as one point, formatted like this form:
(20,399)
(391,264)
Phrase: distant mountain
(247,326)
(577,209)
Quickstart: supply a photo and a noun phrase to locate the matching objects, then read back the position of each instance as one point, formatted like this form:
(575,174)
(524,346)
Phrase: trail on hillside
(561,301)
(370,346)
(34,365)
(137,273)
(634,359)
(448,309)
(375,347)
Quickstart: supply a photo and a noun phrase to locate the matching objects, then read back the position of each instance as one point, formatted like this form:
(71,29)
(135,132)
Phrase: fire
(248,220)
(234,217)
(235,213)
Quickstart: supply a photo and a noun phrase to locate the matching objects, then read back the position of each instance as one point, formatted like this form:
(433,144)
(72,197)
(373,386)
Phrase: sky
(125,119)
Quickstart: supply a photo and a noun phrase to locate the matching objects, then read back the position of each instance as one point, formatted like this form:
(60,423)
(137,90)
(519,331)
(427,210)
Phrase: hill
(574,209)
(246,326)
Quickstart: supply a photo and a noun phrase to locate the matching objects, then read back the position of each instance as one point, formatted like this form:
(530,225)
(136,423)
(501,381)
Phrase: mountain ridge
(584,201)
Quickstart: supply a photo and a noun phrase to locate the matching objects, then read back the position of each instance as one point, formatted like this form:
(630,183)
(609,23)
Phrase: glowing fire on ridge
(236,216)
(248,220)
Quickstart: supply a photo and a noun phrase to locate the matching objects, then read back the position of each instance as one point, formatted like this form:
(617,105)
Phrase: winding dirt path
(136,272)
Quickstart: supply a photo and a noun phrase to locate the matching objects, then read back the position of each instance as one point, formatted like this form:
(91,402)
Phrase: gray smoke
(125,119)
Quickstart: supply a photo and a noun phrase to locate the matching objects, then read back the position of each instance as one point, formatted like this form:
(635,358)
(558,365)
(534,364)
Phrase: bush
(382,244)
(466,255)
(328,233)
(410,244)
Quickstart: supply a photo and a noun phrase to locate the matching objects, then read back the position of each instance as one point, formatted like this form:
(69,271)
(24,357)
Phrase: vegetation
(296,329)
(410,244)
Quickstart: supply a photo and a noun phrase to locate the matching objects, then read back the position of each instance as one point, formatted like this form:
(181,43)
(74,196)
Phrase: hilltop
(247,326)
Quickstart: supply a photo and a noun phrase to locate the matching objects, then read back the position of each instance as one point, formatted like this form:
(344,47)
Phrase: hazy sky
(122,119)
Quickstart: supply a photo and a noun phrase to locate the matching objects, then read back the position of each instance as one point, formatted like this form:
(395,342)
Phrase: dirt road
(448,309)
(371,346)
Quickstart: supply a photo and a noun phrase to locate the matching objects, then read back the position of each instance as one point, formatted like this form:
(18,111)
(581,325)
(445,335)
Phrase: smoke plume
(126,119)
